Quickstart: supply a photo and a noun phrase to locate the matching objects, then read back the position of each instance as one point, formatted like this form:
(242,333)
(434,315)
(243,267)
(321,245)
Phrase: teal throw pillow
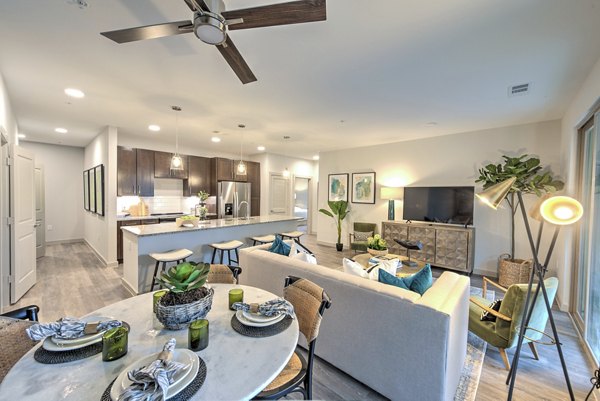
(280,247)
(420,281)
(387,278)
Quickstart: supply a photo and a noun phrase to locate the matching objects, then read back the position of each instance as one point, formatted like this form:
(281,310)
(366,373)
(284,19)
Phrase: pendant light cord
(176,134)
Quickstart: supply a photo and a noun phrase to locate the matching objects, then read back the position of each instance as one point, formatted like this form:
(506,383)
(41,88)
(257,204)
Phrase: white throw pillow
(354,268)
(305,257)
(389,266)
(293,250)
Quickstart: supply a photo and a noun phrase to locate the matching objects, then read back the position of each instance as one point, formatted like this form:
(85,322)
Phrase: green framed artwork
(338,187)
(363,187)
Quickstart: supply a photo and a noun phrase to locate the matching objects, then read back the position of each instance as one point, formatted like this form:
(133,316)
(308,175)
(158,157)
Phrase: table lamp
(556,210)
(392,194)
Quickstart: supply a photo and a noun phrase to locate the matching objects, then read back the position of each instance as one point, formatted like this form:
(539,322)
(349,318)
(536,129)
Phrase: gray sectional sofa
(403,345)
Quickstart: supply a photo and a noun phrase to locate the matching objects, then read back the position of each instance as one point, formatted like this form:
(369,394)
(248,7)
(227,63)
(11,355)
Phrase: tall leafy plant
(339,211)
(530,179)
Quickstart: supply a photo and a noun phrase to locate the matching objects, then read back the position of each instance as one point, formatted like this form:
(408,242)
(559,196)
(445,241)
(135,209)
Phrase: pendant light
(241,167)
(286,172)
(176,161)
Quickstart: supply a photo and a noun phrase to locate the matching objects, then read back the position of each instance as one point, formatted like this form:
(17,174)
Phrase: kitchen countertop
(149,217)
(171,228)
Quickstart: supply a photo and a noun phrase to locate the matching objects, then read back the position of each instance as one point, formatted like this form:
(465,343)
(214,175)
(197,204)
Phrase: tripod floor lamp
(558,211)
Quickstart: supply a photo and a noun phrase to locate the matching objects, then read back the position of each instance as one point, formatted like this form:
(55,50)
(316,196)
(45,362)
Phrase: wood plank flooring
(72,281)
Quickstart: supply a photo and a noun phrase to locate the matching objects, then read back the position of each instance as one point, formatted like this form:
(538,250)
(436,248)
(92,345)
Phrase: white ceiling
(374,72)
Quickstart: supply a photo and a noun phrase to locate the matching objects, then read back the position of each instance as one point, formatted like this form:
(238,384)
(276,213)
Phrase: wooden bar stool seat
(264,239)
(176,255)
(227,247)
(295,235)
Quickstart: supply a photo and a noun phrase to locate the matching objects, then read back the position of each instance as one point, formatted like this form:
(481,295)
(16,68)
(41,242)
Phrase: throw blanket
(269,308)
(150,383)
(68,328)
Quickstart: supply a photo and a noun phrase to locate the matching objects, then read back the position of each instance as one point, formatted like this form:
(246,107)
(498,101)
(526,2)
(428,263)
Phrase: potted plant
(201,208)
(377,246)
(339,211)
(529,180)
(188,299)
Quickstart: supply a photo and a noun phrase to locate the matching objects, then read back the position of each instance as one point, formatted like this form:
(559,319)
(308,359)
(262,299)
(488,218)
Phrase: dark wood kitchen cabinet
(125,223)
(162,166)
(253,178)
(222,169)
(199,176)
(135,172)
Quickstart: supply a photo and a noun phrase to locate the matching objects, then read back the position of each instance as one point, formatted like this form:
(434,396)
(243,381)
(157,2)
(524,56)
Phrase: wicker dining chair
(223,274)
(310,301)
(14,340)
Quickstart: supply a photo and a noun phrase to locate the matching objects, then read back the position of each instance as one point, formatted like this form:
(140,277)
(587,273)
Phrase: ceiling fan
(211,23)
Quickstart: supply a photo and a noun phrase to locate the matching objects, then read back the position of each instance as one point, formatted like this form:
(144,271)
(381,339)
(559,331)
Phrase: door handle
(36,225)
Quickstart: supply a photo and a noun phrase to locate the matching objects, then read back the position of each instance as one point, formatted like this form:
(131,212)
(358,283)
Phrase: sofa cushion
(387,278)
(420,281)
(305,257)
(279,247)
(354,268)
(362,236)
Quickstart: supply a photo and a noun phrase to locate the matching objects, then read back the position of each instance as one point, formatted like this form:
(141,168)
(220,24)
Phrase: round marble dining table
(238,367)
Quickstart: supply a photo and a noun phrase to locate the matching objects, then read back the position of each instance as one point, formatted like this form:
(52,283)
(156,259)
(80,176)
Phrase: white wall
(577,110)
(100,232)
(273,163)
(451,160)
(8,123)
(63,166)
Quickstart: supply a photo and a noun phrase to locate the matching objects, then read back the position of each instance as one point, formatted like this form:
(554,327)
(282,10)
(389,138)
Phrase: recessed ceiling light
(260,148)
(21,136)
(215,139)
(61,130)
(316,157)
(154,127)
(72,92)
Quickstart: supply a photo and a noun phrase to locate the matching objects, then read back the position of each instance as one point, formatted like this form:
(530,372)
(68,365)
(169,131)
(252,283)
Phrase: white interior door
(279,202)
(22,207)
(40,213)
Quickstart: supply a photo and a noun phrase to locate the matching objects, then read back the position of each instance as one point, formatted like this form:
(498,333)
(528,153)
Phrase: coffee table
(403,270)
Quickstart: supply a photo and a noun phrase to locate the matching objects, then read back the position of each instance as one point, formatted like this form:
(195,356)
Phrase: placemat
(266,331)
(185,394)
(53,357)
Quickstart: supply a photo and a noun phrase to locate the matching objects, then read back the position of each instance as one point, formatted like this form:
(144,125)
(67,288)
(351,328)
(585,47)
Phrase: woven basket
(178,317)
(513,271)
(375,252)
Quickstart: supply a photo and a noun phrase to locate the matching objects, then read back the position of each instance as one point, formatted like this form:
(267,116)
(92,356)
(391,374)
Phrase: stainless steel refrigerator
(234,199)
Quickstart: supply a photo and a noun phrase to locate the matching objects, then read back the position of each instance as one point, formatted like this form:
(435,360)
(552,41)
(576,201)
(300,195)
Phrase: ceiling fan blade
(149,31)
(295,12)
(194,4)
(236,61)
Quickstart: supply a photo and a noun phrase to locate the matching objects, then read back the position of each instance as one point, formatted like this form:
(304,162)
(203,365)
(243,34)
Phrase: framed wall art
(338,187)
(99,188)
(363,187)
(86,190)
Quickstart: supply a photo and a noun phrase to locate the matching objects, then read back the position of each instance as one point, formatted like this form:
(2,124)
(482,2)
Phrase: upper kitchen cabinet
(239,178)
(162,166)
(135,172)
(253,177)
(222,169)
(199,176)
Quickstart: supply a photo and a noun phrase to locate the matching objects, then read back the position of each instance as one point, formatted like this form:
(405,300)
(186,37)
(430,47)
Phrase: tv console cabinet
(447,246)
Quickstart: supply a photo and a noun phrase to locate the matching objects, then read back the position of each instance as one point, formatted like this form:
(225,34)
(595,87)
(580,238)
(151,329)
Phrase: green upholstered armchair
(357,241)
(504,332)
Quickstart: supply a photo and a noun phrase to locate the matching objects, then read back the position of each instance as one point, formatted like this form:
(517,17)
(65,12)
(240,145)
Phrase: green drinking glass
(198,335)
(235,295)
(114,343)
(156,297)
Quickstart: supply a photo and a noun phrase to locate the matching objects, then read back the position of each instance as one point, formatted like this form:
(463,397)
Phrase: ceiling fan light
(210,29)
(176,162)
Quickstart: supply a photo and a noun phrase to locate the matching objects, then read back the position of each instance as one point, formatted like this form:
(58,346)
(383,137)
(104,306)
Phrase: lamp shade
(176,162)
(561,210)
(392,193)
(534,212)
(495,194)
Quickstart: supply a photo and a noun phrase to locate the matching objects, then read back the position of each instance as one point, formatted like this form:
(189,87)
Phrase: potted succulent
(187,299)
(377,246)
(339,211)
(529,180)
(201,208)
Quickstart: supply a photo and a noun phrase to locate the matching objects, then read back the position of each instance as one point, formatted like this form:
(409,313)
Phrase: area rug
(471,372)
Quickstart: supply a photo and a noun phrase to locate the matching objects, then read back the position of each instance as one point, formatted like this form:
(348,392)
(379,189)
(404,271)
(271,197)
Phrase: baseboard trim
(65,241)
(485,272)
(106,263)
(128,287)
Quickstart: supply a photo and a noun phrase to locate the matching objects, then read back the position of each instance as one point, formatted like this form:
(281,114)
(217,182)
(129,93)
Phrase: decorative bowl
(375,252)
(178,317)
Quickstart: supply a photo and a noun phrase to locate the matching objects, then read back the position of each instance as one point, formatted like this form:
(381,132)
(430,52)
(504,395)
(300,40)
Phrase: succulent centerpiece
(187,298)
(377,246)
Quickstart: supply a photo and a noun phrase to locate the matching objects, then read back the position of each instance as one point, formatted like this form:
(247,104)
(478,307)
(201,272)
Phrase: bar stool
(227,246)
(293,235)
(265,239)
(176,255)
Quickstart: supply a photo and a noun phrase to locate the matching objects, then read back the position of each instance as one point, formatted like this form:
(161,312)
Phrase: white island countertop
(171,228)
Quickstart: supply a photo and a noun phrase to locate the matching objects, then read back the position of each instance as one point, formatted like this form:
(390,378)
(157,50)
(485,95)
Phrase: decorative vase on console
(377,246)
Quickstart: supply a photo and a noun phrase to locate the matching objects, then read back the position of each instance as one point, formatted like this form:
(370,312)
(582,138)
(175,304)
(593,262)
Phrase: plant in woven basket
(377,243)
(531,179)
(185,283)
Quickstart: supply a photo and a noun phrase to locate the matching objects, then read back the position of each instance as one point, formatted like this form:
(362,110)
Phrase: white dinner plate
(181,380)
(240,316)
(49,345)
(87,339)
(258,318)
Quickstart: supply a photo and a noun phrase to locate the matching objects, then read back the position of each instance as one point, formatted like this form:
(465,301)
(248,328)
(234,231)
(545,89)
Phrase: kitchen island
(140,241)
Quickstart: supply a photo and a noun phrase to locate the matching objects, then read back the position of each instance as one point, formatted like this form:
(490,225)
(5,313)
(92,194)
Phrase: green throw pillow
(418,282)
(280,247)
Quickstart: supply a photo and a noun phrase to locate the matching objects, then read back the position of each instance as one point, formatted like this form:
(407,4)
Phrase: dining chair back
(223,274)
(309,301)
(14,340)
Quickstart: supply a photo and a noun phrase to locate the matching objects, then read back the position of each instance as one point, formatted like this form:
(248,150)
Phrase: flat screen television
(451,205)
